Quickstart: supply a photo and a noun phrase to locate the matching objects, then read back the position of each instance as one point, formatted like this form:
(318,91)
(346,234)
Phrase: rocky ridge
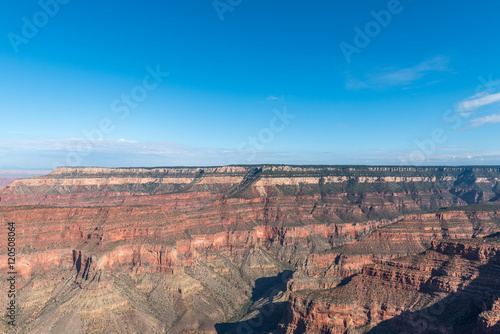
(451,288)
(174,249)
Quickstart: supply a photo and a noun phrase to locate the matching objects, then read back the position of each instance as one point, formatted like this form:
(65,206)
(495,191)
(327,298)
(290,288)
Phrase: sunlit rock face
(453,287)
(166,250)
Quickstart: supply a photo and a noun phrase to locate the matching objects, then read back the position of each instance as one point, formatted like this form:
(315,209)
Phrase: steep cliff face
(409,235)
(489,321)
(175,267)
(126,262)
(451,288)
(144,239)
(174,249)
(352,191)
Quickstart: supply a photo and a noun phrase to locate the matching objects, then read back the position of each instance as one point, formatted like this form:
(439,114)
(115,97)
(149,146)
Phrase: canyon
(256,249)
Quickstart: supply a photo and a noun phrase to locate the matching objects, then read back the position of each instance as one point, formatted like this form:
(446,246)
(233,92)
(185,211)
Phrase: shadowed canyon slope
(167,250)
(454,287)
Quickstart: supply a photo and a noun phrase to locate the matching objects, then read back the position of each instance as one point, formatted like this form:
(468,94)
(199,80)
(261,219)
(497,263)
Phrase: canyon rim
(249,167)
(255,249)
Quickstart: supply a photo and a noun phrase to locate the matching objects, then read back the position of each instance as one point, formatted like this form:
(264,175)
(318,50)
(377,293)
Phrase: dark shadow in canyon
(494,235)
(346,280)
(454,314)
(269,314)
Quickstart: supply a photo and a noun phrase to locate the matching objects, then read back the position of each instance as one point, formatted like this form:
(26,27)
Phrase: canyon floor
(255,249)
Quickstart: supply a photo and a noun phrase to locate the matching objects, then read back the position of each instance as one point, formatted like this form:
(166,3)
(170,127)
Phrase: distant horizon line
(253,165)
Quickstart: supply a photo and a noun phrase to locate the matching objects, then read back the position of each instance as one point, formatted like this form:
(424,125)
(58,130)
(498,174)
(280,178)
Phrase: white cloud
(356,84)
(451,149)
(126,153)
(123,152)
(485,120)
(478,101)
(465,158)
(91,146)
(393,77)
(485,102)
(275,98)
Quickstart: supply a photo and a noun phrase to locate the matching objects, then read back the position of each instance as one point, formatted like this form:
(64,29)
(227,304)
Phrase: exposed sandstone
(174,249)
(453,277)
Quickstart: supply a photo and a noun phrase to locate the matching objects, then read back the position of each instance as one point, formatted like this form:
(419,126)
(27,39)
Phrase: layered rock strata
(451,288)
(174,249)
(380,190)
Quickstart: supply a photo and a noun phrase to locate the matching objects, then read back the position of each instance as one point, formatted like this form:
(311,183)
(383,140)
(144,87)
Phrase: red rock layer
(145,238)
(169,249)
(364,190)
(489,321)
(435,290)
(410,235)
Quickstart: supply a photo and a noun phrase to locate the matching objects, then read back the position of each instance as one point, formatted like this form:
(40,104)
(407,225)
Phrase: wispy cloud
(451,157)
(478,101)
(402,77)
(485,120)
(128,153)
(93,146)
(452,149)
(461,156)
(123,152)
(275,98)
(486,101)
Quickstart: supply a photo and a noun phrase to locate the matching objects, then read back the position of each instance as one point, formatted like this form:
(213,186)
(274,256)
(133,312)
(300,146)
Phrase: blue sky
(328,82)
